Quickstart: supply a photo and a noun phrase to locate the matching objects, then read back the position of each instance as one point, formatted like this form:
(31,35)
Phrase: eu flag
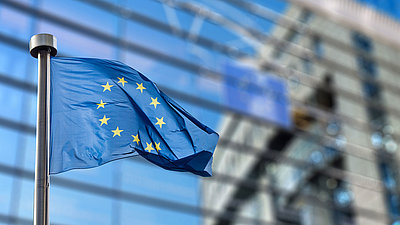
(103,110)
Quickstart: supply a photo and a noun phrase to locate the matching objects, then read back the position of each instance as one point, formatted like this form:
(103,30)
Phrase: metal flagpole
(42,46)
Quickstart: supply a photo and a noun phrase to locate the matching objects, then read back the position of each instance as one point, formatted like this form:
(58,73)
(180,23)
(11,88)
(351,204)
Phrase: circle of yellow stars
(118,131)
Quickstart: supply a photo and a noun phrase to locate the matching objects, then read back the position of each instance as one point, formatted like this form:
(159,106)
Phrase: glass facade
(326,168)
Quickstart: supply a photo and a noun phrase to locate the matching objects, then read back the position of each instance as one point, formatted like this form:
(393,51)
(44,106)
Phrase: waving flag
(103,110)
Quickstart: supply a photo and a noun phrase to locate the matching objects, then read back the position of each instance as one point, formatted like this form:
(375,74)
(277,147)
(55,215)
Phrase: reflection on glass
(390,146)
(316,157)
(340,141)
(376,139)
(342,197)
(333,128)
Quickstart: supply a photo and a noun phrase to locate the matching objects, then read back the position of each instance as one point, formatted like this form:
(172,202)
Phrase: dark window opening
(362,42)
(366,66)
(317,46)
(371,90)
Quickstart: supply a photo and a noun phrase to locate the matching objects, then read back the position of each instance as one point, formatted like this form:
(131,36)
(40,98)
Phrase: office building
(338,164)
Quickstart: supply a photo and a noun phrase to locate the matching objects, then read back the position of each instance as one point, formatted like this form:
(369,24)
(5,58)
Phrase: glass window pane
(101,175)
(31,109)
(133,213)
(5,190)
(8,140)
(83,13)
(25,206)
(10,99)
(149,8)
(150,180)
(13,61)
(14,23)
(73,207)
(76,44)
(30,152)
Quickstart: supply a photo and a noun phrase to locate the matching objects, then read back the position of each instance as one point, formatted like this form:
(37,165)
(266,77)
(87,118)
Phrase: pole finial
(43,42)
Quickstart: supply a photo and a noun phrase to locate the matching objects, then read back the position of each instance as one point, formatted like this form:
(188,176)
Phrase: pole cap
(43,42)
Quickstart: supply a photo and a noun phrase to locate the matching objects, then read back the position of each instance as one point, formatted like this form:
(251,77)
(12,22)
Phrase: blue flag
(103,110)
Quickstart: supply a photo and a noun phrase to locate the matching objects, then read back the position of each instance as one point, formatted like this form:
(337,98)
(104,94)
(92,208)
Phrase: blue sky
(137,176)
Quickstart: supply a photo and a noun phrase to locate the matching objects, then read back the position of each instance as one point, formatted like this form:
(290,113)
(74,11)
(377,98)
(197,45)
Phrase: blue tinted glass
(83,13)
(26,199)
(150,8)
(13,61)
(72,43)
(73,207)
(14,23)
(10,99)
(208,117)
(5,190)
(101,175)
(31,104)
(134,213)
(388,176)
(8,140)
(142,182)
(185,19)
(218,33)
(394,204)
(156,40)
(161,73)
(30,152)
(276,5)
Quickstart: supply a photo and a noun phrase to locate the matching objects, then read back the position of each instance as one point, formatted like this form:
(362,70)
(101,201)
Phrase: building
(339,163)
(128,191)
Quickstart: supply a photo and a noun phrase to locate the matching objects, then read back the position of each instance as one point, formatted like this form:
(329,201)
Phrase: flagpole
(42,46)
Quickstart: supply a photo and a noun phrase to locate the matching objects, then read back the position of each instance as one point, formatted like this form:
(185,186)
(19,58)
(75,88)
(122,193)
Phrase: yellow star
(149,147)
(136,138)
(154,102)
(122,80)
(140,87)
(117,132)
(107,87)
(104,120)
(157,146)
(101,104)
(160,121)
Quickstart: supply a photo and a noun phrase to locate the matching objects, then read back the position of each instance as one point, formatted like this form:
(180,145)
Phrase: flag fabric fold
(103,110)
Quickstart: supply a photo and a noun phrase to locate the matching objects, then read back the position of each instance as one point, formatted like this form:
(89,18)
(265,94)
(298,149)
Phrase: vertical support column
(42,46)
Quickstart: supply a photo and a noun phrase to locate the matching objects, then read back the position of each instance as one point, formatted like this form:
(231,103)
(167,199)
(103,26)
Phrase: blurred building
(339,162)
